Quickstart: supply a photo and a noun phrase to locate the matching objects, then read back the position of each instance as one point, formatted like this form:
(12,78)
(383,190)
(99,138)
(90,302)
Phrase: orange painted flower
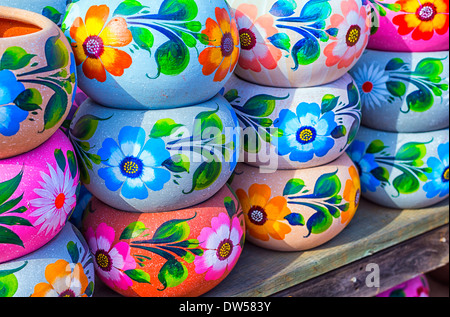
(422,18)
(264,217)
(63,281)
(94,43)
(222,53)
(352,194)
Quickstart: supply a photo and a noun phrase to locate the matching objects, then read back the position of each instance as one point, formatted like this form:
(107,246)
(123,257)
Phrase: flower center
(93,46)
(257,215)
(445,175)
(67,293)
(131,167)
(224,249)
(306,135)
(248,39)
(353,35)
(227,44)
(426,12)
(103,260)
(60,200)
(367,87)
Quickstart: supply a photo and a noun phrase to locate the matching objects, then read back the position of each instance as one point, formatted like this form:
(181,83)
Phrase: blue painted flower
(10,115)
(365,162)
(134,165)
(306,133)
(439,176)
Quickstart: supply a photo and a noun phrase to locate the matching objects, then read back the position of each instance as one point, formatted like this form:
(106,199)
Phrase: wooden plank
(260,272)
(395,265)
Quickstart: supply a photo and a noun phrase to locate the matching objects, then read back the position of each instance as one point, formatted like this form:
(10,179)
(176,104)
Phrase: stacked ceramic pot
(157,143)
(40,253)
(299,110)
(402,150)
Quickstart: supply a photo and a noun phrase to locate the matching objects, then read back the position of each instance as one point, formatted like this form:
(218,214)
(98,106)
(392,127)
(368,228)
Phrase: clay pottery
(296,210)
(37,78)
(52,9)
(416,287)
(182,253)
(299,43)
(402,170)
(152,54)
(61,268)
(292,128)
(156,160)
(38,191)
(410,25)
(403,92)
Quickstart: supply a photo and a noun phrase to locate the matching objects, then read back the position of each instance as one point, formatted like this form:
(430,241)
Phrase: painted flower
(439,176)
(365,163)
(110,260)
(353,35)
(10,115)
(94,44)
(422,18)
(63,280)
(221,244)
(254,31)
(222,53)
(57,198)
(134,165)
(371,81)
(264,217)
(352,194)
(306,133)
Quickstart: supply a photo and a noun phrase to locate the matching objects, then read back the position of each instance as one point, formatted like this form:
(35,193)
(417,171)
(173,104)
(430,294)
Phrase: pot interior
(11,28)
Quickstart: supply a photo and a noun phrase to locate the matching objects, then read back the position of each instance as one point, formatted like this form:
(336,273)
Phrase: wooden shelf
(404,243)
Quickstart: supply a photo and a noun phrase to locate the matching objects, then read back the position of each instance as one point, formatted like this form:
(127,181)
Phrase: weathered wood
(396,265)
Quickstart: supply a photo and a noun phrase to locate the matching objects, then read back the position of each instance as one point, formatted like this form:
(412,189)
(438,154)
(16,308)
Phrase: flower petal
(96,18)
(115,61)
(94,69)
(116,33)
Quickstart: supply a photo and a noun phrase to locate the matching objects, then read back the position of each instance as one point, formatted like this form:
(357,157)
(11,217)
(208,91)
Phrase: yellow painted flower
(264,216)
(352,194)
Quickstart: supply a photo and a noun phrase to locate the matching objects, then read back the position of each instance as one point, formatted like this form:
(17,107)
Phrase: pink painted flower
(353,35)
(221,244)
(254,31)
(110,261)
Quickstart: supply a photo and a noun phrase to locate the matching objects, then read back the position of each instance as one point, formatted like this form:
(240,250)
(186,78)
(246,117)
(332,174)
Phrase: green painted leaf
(205,175)
(178,10)
(55,110)
(163,128)
(293,186)
(7,188)
(411,151)
(429,67)
(52,14)
(15,58)
(73,251)
(376,147)
(73,166)
(281,40)
(230,206)
(128,7)
(29,100)
(138,275)
(306,51)
(133,230)
(172,231)
(10,204)
(381,173)
(143,37)
(283,8)
(420,100)
(329,102)
(339,132)
(172,274)
(205,120)
(395,64)
(14,221)
(396,88)
(231,95)
(295,219)
(327,185)
(261,105)
(85,128)
(172,57)
(8,285)
(319,222)
(406,183)
(9,237)
(60,159)
(178,163)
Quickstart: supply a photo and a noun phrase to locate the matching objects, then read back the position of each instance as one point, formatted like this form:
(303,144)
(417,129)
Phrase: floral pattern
(352,194)
(438,184)
(372,81)
(256,50)
(222,53)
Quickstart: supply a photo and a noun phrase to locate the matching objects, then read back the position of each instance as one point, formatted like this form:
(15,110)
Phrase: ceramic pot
(182,253)
(152,54)
(402,170)
(38,191)
(156,160)
(403,92)
(37,78)
(296,210)
(410,26)
(292,128)
(416,287)
(61,268)
(299,43)
(52,9)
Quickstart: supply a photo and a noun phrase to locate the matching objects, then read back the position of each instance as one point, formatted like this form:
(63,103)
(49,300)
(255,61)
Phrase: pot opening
(11,28)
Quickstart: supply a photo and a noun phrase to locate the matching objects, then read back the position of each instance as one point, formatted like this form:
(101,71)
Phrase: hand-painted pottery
(38,191)
(295,210)
(152,54)
(402,170)
(403,92)
(52,9)
(409,25)
(300,43)
(182,253)
(37,77)
(156,160)
(61,268)
(416,287)
(291,128)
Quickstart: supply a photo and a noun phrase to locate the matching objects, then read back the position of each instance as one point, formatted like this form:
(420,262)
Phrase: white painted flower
(371,81)
(57,199)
